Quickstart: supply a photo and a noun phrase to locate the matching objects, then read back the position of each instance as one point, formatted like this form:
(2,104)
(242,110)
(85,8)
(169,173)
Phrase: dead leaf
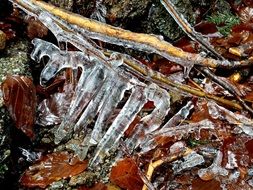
(52,167)
(125,175)
(198,184)
(19,96)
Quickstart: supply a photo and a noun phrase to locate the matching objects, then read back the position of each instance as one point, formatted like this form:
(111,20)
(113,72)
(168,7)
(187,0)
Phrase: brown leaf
(125,175)
(52,167)
(97,186)
(19,96)
(35,28)
(132,126)
(198,184)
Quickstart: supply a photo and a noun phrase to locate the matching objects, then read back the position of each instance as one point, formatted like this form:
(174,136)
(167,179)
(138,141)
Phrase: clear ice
(242,122)
(191,160)
(215,169)
(99,90)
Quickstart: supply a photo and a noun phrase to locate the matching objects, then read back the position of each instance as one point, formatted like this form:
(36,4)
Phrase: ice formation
(242,122)
(104,82)
(188,162)
(99,91)
(213,170)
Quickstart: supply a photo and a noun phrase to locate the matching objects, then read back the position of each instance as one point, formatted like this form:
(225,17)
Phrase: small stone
(2,40)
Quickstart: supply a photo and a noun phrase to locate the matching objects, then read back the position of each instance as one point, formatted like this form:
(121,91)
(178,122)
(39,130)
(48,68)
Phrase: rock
(4,143)
(160,22)
(2,40)
(13,61)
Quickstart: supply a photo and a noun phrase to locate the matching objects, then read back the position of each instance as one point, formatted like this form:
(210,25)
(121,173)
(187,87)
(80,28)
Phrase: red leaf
(132,126)
(52,167)
(35,28)
(97,186)
(125,175)
(199,184)
(19,96)
(186,44)
(206,28)
(249,147)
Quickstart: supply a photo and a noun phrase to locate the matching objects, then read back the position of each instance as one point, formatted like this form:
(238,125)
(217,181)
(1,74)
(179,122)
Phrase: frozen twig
(107,30)
(186,27)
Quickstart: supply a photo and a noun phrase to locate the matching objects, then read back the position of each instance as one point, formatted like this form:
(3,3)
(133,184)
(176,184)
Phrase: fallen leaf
(52,167)
(198,184)
(19,96)
(125,175)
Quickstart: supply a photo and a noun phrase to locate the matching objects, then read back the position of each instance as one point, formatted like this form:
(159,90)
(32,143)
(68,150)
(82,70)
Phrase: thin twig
(227,86)
(188,29)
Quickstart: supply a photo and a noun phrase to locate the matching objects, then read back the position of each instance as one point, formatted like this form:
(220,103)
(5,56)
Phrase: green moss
(224,21)
(3,169)
(193,143)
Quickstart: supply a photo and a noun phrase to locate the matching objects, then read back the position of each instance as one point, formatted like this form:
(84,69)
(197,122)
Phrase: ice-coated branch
(66,34)
(188,29)
(107,33)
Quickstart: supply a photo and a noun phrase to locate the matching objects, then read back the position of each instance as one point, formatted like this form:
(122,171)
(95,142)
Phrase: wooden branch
(111,34)
(105,30)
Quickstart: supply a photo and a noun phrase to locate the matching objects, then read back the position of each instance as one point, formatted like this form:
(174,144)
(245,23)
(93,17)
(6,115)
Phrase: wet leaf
(198,184)
(19,96)
(58,98)
(52,167)
(132,126)
(97,186)
(35,28)
(125,175)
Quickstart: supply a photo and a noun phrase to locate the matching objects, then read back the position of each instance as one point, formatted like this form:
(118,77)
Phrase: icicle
(176,131)
(58,59)
(106,110)
(120,124)
(244,123)
(90,88)
(97,101)
(214,170)
(178,118)
(152,121)
(191,160)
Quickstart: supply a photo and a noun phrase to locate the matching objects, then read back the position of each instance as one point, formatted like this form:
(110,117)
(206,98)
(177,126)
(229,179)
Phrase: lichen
(15,60)
(160,22)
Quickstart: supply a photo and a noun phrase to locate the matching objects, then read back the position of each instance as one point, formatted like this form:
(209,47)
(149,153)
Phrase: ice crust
(99,90)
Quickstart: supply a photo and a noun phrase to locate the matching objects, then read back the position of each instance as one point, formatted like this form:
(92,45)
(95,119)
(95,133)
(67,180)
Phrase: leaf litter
(101,96)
